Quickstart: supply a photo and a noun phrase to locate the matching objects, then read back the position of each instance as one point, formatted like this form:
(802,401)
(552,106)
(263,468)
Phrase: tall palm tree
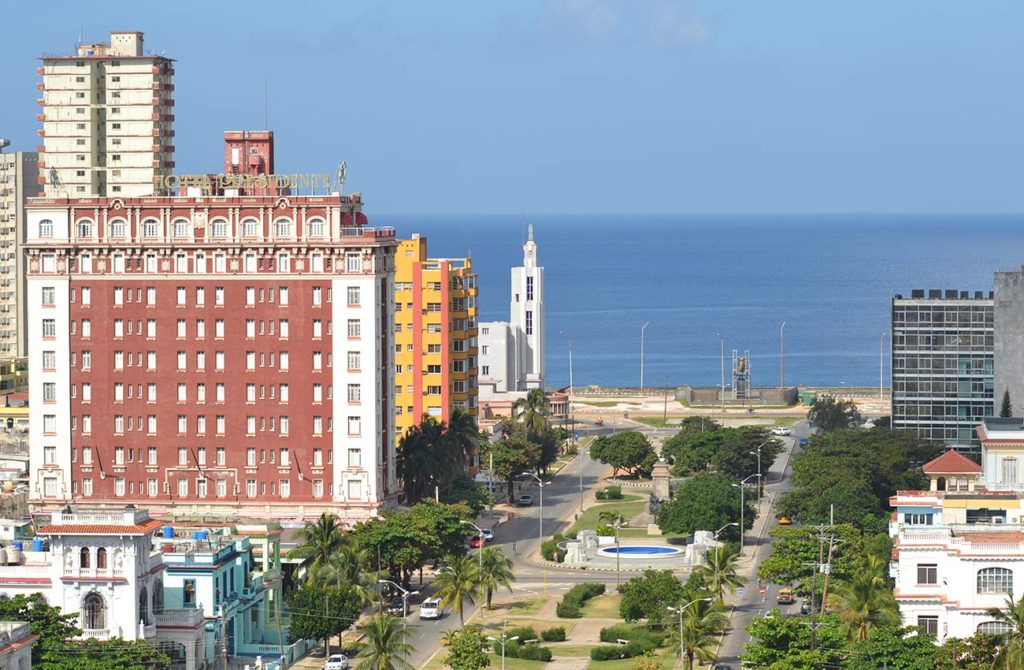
(701,622)
(386,646)
(427,457)
(317,541)
(497,571)
(1011,643)
(720,573)
(462,430)
(459,583)
(865,602)
(609,517)
(532,413)
(345,568)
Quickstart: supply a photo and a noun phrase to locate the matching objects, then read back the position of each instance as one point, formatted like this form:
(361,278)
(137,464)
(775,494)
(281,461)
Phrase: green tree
(973,653)
(532,414)
(468,649)
(345,567)
(464,489)
(1011,643)
(47,622)
(648,661)
(386,644)
(784,643)
(317,613)
(895,649)
(702,621)
(730,451)
(113,654)
(720,572)
(705,502)
(628,450)
(496,571)
(463,432)
(648,596)
(865,601)
(511,457)
(458,584)
(1006,409)
(317,540)
(829,413)
(428,456)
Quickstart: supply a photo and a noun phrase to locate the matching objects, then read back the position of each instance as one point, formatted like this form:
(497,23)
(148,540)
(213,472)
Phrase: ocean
(828,277)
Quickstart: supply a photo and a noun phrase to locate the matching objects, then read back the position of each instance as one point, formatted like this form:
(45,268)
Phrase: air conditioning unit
(997,520)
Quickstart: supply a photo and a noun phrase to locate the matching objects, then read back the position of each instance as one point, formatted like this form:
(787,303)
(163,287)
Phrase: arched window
(149,227)
(994,627)
(995,580)
(219,228)
(158,597)
(117,228)
(250,228)
(181,228)
(85,228)
(83,557)
(283,228)
(46,228)
(101,558)
(94,612)
(316,228)
(144,606)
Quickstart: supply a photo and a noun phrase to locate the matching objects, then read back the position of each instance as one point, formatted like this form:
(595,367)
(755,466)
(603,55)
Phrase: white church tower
(527,311)
(512,352)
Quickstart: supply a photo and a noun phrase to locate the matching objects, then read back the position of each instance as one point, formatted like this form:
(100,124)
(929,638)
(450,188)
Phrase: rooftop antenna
(56,182)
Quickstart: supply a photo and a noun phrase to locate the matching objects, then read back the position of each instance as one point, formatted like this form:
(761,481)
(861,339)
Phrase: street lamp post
(618,524)
(782,355)
(760,482)
(718,532)
(569,410)
(743,504)
(540,517)
(503,641)
(642,329)
(405,596)
(480,549)
(680,611)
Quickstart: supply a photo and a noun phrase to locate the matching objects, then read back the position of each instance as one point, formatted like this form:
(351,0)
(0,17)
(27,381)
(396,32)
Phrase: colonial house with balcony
(16,640)
(106,567)
(959,546)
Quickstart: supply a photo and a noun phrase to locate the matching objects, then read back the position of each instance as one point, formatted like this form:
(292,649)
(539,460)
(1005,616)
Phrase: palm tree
(532,413)
(609,517)
(318,540)
(720,572)
(427,457)
(701,622)
(345,567)
(386,646)
(865,601)
(458,583)
(463,432)
(1011,643)
(497,571)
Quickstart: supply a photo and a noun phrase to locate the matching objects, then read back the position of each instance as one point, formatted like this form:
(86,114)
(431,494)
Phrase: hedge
(529,652)
(556,634)
(609,493)
(641,636)
(550,551)
(572,601)
(616,651)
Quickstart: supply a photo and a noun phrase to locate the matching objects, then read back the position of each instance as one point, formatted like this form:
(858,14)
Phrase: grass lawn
(602,607)
(634,533)
(654,421)
(589,519)
(667,662)
(510,663)
(605,403)
(560,650)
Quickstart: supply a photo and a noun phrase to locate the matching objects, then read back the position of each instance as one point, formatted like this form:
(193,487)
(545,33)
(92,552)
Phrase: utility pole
(664,415)
(782,355)
(721,342)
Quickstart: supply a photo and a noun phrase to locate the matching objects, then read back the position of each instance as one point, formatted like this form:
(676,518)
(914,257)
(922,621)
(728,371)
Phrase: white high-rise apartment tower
(19,180)
(512,352)
(107,112)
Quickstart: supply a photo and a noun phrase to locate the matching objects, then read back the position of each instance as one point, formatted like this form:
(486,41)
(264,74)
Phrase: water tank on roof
(13,552)
(168,532)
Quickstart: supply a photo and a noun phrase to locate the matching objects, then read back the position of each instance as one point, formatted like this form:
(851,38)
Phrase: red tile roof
(984,538)
(103,529)
(951,462)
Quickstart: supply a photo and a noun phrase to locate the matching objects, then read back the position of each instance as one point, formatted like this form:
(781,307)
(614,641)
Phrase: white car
(336,662)
(430,609)
(782,430)
(488,535)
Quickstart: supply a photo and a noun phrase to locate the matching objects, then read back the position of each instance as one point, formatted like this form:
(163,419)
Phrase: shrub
(556,634)
(524,633)
(550,551)
(609,493)
(572,601)
(642,637)
(617,632)
(605,530)
(535,652)
(615,651)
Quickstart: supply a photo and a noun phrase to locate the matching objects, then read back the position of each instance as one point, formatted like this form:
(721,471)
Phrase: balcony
(94,573)
(98,633)
(181,618)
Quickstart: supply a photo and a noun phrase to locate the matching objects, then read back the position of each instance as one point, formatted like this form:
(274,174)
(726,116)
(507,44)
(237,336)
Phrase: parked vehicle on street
(475,542)
(488,535)
(804,441)
(785,521)
(430,609)
(782,430)
(396,607)
(805,607)
(784,597)
(336,662)
(524,500)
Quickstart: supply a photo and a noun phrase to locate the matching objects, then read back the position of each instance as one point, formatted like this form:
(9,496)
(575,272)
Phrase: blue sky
(560,106)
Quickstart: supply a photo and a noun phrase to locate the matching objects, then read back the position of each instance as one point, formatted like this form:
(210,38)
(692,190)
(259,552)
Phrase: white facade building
(107,114)
(16,640)
(512,352)
(19,180)
(959,547)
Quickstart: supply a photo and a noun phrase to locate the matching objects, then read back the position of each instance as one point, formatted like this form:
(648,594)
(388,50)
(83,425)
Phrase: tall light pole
(760,482)
(719,531)
(782,355)
(579,454)
(480,549)
(680,611)
(618,524)
(743,504)
(540,520)
(881,363)
(721,342)
(642,329)
(503,641)
(405,596)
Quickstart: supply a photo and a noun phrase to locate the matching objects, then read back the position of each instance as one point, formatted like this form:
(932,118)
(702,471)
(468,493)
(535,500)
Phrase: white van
(430,609)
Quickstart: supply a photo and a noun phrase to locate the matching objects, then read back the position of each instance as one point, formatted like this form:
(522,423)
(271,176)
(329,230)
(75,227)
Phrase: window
(49,360)
(94,608)
(994,628)
(354,425)
(284,263)
(46,228)
(249,228)
(283,329)
(927,574)
(87,486)
(918,519)
(201,487)
(317,360)
(995,580)
(218,295)
(283,294)
(250,488)
(282,228)
(183,488)
(222,488)
(220,425)
(151,456)
(200,360)
(50,391)
(316,228)
(50,424)
(250,456)
(149,226)
(353,360)
(200,328)
(928,625)
(86,360)
(49,455)
(151,360)
(189,589)
(49,328)
(48,296)
(284,393)
(282,360)
(355,458)
(118,455)
(250,360)
(355,489)
(86,455)
(220,391)
(181,228)
(219,360)
(529,322)
(200,295)
(285,488)
(354,328)
(219,228)
(353,295)
(318,425)
(354,393)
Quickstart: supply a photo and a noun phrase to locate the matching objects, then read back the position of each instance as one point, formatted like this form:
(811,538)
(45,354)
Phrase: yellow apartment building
(435,336)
